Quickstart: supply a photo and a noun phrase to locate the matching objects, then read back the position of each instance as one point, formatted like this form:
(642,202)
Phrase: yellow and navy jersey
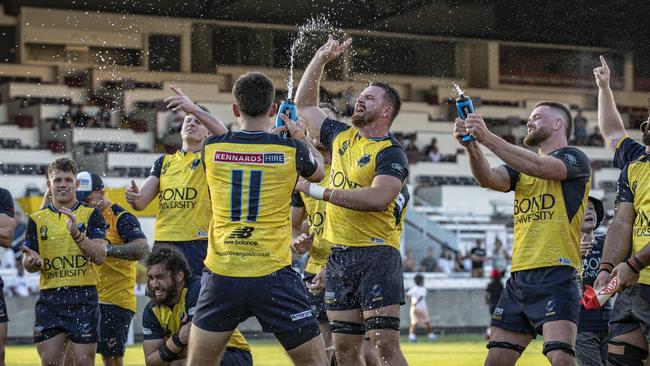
(548,214)
(63,263)
(633,188)
(627,151)
(184,205)
(356,161)
(315,209)
(117,276)
(251,176)
(162,321)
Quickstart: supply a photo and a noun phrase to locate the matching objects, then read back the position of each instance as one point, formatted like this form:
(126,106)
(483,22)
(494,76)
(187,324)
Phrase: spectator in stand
(81,118)
(409,264)
(478,256)
(446,262)
(429,263)
(431,152)
(596,139)
(412,154)
(580,134)
(103,117)
(500,257)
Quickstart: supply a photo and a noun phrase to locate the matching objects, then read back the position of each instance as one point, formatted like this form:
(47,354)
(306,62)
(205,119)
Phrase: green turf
(447,351)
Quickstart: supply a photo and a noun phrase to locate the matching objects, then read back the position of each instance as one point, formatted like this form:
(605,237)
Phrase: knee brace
(624,354)
(383,322)
(555,345)
(347,327)
(506,345)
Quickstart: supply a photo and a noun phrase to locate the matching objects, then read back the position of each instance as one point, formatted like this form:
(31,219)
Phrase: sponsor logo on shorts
(112,342)
(550,308)
(329,297)
(376,294)
(497,314)
(249,158)
(301,315)
(146,331)
(86,330)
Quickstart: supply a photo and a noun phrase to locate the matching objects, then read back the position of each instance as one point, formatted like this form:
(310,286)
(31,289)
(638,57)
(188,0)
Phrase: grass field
(447,351)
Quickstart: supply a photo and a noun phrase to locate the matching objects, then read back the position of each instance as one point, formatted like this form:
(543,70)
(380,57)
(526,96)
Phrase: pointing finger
(176,90)
(603,62)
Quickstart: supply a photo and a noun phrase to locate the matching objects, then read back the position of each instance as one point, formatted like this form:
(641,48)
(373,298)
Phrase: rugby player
(251,175)
(7,226)
(367,197)
(64,242)
(178,180)
(551,189)
(166,318)
(629,331)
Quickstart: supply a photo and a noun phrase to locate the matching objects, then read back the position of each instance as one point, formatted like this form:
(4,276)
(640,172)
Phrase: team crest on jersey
(249,158)
(43,231)
(344,146)
(195,164)
(365,159)
(164,169)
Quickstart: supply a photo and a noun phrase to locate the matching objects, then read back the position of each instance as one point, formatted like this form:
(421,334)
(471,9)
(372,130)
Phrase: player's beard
(536,137)
(361,120)
(170,294)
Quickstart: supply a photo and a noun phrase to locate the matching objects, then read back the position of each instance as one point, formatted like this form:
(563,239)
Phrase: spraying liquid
(318,24)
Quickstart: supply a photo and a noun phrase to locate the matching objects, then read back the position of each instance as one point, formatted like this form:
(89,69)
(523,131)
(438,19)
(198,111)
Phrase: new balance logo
(242,232)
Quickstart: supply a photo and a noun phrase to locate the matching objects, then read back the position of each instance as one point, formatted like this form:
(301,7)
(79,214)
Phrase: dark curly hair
(173,260)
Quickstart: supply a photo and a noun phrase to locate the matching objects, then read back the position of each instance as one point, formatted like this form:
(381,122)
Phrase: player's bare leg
(386,341)
(634,338)
(310,353)
(205,347)
(3,339)
(370,354)
(347,347)
(500,356)
(52,351)
(326,333)
(84,354)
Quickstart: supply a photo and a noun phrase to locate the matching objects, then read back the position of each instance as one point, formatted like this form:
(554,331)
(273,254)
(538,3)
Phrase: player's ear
(273,110)
(235,110)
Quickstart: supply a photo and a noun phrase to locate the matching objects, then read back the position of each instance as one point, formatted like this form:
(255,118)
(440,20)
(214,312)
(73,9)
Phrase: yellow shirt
(356,161)
(633,188)
(161,322)
(184,208)
(251,176)
(316,216)
(117,276)
(548,214)
(63,263)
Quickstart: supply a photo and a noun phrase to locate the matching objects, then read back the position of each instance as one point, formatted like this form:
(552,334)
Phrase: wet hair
(565,110)
(173,260)
(64,165)
(418,279)
(254,93)
(391,96)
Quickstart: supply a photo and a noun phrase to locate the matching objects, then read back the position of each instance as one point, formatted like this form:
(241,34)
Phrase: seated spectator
(446,262)
(596,139)
(431,152)
(409,264)
(429,263)
(580,134)
(81,118)
(103,117)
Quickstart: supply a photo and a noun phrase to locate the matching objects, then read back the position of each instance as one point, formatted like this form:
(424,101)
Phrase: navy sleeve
(31,239)
(624,192)
(192,297)
(328,131)
(392,161)
(128,227)
(6,203)
(514,177)
(96,225)
(157,167)
(627,151)
(296,200)
(151,328)
(305,162)
(577,163)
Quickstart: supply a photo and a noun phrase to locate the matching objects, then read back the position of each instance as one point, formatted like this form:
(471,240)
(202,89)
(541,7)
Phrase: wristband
(637,262)
(177,341)
(604,270)
(83,236)
(316,191)
(167,355)
(610,265)
(632,266)
(75,237)
(606,266)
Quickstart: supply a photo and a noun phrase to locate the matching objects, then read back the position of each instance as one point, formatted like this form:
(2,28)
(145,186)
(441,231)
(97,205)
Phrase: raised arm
(307,94)
(609,120)
(309,161)
(140,197)
(181,102)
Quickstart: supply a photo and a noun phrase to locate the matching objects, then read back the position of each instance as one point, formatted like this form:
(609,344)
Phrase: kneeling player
(166,318)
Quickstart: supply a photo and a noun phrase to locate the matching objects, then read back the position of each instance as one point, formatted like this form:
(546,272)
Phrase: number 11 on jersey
(237,189)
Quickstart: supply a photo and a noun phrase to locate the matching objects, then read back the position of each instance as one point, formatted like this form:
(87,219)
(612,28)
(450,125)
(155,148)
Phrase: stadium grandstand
(87,79)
